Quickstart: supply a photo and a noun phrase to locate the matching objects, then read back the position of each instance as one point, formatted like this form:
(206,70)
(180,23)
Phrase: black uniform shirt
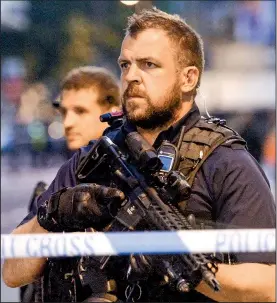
(230,185)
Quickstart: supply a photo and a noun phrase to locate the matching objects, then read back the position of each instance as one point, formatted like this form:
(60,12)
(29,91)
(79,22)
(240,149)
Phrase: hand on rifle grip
(79,207)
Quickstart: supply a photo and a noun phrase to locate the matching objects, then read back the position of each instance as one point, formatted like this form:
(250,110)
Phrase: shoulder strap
(201,140)
(198,144)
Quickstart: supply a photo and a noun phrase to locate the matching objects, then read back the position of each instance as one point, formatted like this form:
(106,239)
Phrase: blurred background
(42,40)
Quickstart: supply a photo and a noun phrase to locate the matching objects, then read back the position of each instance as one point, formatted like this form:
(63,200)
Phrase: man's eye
(79,111)
(150,64)
(123,65)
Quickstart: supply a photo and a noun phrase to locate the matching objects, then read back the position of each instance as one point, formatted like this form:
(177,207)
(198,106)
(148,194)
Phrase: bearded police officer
(161,63)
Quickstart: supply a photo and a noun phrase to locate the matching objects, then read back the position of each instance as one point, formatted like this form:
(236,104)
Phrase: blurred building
(239,39)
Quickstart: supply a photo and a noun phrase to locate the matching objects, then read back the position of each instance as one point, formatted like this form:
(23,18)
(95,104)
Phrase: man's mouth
(134,96)
(72,136)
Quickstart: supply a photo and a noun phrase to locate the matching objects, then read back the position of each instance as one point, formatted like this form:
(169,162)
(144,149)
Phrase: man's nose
(69,120)
(133,74)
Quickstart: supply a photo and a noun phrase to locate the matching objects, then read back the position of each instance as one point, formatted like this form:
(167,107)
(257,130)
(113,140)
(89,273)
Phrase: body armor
(197,144)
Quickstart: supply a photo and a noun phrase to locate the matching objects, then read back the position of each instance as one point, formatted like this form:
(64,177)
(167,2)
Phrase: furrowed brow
(143,59)
(120,60)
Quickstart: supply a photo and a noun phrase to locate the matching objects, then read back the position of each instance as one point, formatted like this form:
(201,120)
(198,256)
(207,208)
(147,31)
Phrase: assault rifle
(150,198)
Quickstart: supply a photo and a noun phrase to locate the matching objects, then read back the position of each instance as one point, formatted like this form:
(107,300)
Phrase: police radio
(175,182)
(169,156)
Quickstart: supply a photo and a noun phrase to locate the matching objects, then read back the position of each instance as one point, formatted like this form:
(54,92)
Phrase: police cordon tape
(147,242)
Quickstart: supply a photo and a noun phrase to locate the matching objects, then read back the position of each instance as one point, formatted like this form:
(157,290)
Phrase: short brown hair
(189,43)
(93,76)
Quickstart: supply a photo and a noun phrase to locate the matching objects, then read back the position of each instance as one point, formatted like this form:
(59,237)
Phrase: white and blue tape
(150,242)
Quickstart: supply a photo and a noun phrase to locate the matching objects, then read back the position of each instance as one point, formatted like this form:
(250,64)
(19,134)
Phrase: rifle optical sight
(145,155)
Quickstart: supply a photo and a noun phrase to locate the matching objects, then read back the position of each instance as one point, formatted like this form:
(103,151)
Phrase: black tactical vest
(198,143)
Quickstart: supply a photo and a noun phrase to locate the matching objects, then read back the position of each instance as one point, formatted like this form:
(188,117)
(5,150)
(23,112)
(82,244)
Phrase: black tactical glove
(79,207)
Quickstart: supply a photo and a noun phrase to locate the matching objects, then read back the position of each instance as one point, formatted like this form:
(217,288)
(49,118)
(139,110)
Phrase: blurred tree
(108,35)
(44,39)
(78,49)
(66,34)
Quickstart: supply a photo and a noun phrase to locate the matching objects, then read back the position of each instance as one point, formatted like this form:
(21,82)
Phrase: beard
(153,116)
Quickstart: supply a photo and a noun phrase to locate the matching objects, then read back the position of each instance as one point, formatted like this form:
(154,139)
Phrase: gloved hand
(79,207)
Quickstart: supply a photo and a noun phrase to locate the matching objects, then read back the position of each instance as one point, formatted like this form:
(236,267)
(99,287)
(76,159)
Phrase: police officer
(86,92)
(161,63)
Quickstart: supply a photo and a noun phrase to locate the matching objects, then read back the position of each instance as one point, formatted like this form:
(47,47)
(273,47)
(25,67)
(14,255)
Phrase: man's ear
(189,78)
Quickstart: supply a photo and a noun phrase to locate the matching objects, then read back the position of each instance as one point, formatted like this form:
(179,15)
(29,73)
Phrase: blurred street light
(129,2)
(139,5)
